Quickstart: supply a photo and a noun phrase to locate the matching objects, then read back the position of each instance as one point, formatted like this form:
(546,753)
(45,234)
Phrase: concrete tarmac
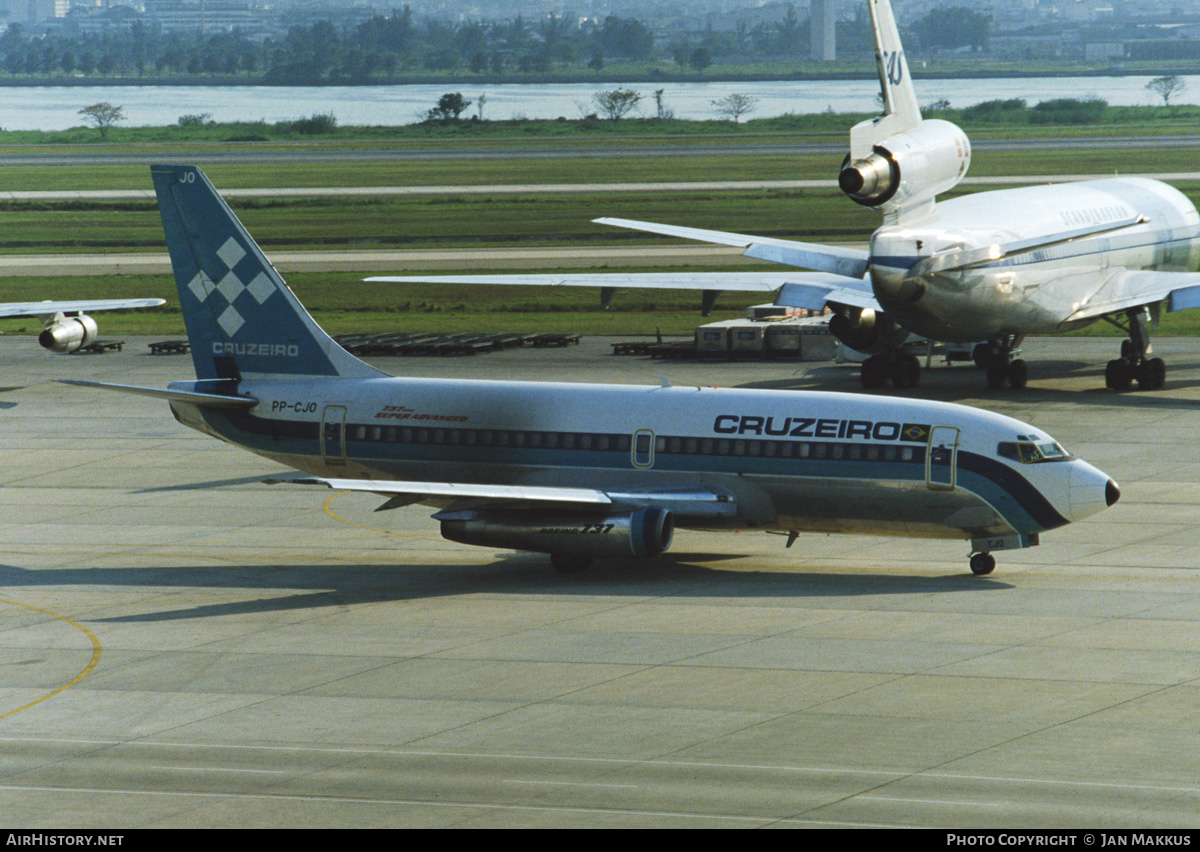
(186,647)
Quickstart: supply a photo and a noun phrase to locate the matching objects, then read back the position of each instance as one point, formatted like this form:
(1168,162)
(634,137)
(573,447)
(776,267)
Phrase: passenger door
(333,434)
(941,460)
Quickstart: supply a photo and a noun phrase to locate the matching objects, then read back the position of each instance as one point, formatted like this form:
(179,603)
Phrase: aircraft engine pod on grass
(68,334)
(531,465)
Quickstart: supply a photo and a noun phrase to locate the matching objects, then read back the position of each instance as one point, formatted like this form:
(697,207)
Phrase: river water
(57,107)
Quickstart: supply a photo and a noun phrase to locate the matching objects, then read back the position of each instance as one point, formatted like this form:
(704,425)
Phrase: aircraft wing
(838,260)
(48,308)
(745,281)
(810,290)
(1125,290)
(692,502)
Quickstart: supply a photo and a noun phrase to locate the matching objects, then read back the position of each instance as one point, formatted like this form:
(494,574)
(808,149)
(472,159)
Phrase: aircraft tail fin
(901,111)
(242,320)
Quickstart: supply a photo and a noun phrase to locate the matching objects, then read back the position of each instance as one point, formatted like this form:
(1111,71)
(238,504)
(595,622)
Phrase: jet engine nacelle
(645,532)
(908,168)
(867,331)
(67,334)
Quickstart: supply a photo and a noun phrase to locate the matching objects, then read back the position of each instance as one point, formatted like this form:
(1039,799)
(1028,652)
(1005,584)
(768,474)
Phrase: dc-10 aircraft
(993,266)
(586,471)
(67,327)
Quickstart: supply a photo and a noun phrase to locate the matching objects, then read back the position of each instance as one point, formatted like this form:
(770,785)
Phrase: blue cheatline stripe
(1002,487)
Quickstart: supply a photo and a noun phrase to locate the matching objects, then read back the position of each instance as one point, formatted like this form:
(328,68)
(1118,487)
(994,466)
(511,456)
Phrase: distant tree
(617,103)
(596,62)
(661,110)
(625,37)
(450,107)
(700,58)
(1167,87)
(734,106)
(950,28)
(103,116)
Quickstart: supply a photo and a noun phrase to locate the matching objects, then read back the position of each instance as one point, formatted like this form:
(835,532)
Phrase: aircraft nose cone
(1092,491)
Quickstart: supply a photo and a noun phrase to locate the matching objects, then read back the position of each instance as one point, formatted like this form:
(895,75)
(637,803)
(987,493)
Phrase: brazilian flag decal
(918,432)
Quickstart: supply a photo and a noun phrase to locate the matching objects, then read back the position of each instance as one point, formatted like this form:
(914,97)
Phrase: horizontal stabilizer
(206,400)
(49,308)
(836,259)
(815,290)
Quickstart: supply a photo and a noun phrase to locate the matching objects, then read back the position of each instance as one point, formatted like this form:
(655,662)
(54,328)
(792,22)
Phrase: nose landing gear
(982,563)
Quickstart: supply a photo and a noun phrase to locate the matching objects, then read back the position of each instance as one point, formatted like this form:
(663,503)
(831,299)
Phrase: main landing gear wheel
(903,370)
(1135,363)
(1015,375)
(1150,374)
(995,357)
(982,563)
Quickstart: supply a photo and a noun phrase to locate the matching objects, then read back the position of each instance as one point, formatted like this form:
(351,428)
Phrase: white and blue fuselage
(822,462)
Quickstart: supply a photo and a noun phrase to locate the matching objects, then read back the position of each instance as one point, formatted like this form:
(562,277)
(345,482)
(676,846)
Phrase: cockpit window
(1028,452)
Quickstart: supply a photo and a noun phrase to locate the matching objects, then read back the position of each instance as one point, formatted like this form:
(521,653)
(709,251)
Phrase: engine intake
(645,532)
(68,334)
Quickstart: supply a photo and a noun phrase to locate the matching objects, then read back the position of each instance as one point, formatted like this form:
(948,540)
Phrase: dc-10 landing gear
(901,368)
(996,356)
(1135,363)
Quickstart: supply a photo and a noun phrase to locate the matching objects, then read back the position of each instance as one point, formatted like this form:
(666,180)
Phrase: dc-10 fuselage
(1047,289)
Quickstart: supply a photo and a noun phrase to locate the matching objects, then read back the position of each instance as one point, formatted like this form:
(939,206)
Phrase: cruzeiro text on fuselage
(820,427)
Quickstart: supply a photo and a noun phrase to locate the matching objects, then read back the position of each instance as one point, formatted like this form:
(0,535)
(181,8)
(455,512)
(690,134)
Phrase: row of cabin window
(489,438)
(621,443)
(786,449)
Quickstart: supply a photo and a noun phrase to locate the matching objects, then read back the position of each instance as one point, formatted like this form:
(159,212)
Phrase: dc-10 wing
(759,282)
(49,308)
(1124,290)
(690,502)
(848,262)
(810,290)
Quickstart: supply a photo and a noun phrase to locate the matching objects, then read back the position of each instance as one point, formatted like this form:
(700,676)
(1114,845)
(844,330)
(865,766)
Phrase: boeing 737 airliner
(583,471)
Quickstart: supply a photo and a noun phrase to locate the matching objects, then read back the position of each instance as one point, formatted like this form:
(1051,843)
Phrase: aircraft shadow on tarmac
(318,586)
(964,384)
(214,483)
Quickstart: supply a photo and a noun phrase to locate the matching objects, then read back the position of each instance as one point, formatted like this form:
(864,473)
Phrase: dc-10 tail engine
(68,333)
(572,540)
(908,168)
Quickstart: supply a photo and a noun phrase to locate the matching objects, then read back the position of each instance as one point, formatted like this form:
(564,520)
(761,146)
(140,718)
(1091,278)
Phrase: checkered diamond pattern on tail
(242,319)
